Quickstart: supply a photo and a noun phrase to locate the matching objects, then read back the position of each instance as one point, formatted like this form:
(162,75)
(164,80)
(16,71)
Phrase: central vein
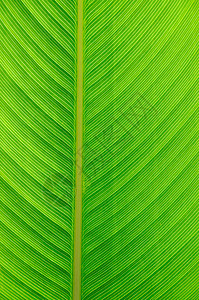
(79,146)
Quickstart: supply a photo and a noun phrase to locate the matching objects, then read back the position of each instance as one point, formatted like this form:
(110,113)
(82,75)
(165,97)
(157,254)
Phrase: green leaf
(135,189)
(38,137)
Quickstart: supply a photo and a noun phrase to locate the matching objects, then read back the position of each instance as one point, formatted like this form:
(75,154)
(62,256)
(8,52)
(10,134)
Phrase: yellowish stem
(79,144)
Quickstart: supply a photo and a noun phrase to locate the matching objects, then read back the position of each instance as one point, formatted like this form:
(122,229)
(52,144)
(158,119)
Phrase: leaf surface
(139,149)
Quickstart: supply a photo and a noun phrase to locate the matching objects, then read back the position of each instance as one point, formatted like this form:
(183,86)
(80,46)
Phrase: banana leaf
(138,174)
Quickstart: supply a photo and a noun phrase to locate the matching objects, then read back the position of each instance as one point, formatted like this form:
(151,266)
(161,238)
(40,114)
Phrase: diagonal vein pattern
(38,51)
(140,124)
(120,221)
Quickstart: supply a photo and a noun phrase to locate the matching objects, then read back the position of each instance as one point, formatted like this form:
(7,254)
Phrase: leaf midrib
(78,164)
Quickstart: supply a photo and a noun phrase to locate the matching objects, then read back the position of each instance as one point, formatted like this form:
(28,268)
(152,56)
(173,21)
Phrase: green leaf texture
(38,133)
(139,229)
(139,197)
